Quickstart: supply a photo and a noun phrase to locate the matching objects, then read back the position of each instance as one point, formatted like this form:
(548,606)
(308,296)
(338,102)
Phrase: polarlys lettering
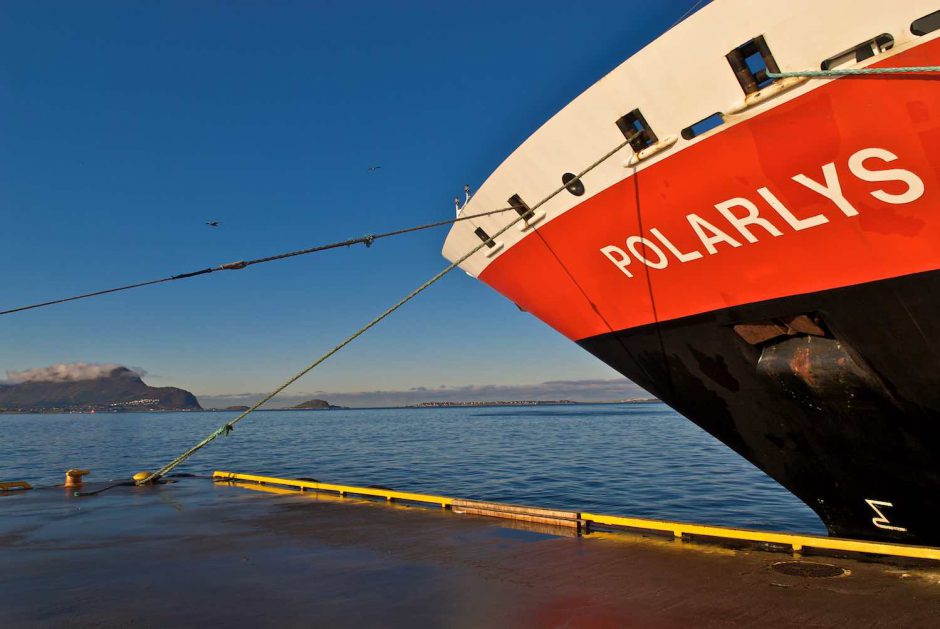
(743,221)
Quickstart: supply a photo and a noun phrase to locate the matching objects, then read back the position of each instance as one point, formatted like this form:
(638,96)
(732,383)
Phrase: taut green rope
(825,74)
(226,428)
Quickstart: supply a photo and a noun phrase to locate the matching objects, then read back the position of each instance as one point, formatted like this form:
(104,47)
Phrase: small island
(315,405)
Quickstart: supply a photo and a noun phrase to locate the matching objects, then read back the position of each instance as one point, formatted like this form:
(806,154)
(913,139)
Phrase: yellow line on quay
(342,490)
(796,542)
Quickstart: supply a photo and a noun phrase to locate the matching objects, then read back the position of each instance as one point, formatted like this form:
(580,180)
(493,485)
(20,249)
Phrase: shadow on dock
(193,553)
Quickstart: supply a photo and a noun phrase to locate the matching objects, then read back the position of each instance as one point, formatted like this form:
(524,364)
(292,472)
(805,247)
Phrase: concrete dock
(194,553)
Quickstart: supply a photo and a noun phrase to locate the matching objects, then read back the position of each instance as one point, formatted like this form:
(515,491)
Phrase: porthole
(861,52)
(572,184)
(703,126)
(927,24)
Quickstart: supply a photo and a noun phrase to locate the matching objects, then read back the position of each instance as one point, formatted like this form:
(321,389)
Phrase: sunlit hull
(774,279)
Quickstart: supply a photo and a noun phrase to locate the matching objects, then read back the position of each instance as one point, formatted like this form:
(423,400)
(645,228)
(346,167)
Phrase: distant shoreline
(522,403)
(422,405)
(500,403)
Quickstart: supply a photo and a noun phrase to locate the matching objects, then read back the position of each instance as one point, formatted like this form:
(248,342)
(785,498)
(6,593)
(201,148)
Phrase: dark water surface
(620,459)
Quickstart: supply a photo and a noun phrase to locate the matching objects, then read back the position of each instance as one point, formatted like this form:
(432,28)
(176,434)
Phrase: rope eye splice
(149,478)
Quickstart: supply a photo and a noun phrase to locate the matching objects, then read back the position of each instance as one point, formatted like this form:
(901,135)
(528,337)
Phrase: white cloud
(66,372)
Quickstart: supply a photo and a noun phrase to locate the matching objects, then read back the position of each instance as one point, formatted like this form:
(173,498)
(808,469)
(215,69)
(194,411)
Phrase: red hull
(882,229)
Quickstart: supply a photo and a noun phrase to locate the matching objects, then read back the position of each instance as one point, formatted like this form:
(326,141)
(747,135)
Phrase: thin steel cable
(102,292)
(367,240)
(226,428)
(686,14)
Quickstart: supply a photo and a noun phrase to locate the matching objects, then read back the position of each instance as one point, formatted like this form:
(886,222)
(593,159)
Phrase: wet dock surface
(193,553)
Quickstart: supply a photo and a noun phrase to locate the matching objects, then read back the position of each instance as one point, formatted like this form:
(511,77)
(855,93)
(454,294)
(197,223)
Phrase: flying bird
(372,169)
(213,223)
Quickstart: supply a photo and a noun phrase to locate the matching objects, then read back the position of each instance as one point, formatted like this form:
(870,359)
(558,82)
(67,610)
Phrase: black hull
(841,406)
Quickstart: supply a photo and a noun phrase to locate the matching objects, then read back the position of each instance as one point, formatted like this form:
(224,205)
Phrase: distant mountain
(120,390)
(315,405)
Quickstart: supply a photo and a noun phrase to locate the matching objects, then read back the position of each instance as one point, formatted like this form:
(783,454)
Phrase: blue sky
(126,126)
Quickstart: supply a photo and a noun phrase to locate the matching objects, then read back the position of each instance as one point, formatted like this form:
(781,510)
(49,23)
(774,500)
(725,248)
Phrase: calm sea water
(623,459)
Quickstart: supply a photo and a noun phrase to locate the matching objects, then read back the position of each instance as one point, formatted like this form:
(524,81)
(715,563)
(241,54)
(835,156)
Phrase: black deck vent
(482,235)
(522,208)
(634,125)
(927,24)
(750,62)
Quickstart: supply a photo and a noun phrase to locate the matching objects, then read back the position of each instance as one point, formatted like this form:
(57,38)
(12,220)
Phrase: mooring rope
(822,74)
(226,428)
(366,240)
